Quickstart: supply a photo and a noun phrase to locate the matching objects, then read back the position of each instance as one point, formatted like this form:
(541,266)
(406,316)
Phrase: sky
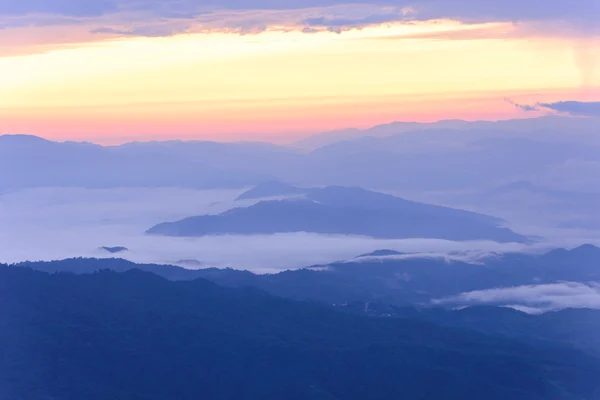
(117,70)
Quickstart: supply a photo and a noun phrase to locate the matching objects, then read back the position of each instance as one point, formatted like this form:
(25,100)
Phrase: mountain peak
(114,249)
(271,189)
(382,253)
(586,249)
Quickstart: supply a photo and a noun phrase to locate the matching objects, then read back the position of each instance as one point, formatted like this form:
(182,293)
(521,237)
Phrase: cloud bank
(128,17)
(522,107)
(572,108)
(533,298)
(507,10)
(575,108)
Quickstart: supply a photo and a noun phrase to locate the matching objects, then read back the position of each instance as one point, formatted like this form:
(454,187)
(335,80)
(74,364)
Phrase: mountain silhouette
(137,336)
(378,276)
(345,211)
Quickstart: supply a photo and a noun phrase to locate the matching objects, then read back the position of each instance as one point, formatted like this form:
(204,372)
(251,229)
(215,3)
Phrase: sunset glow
(280,83)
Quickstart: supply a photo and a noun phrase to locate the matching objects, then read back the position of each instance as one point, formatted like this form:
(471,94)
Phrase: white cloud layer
(533,298)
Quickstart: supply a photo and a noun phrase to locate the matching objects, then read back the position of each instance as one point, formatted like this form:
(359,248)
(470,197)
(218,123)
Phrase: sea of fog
(57,223)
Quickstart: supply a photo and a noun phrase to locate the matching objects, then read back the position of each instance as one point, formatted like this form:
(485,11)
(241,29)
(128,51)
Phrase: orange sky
(278,85)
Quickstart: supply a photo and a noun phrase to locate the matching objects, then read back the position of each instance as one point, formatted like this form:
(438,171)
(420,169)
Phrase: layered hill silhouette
(383,276)
(42,163)
(449,155)
(136,336)
(344,211)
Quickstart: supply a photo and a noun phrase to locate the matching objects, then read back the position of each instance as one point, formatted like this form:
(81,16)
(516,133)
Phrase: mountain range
(445,155)
(394,279)
(482,166)
(513,127)
(134,335)
(37,162)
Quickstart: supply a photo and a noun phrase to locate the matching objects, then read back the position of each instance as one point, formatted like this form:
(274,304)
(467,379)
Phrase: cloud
(580,18)
(523,107)
(471,256)
(110,31)
(575,108)
(335,24)
(583,11)
(507,10)
(539,298)
(158,30)
(75,8)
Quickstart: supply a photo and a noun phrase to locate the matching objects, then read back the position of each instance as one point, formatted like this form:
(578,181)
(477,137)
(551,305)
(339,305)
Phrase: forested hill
(135,335)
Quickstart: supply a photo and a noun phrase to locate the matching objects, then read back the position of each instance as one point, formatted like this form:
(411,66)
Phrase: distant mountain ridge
(447,155)
(42,163)
(344,211)
(400,127)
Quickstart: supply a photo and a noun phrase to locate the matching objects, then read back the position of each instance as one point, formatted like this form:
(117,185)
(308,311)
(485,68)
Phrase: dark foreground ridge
(135,335)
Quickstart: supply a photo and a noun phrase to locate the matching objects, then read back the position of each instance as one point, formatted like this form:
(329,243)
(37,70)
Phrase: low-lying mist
(57,223)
